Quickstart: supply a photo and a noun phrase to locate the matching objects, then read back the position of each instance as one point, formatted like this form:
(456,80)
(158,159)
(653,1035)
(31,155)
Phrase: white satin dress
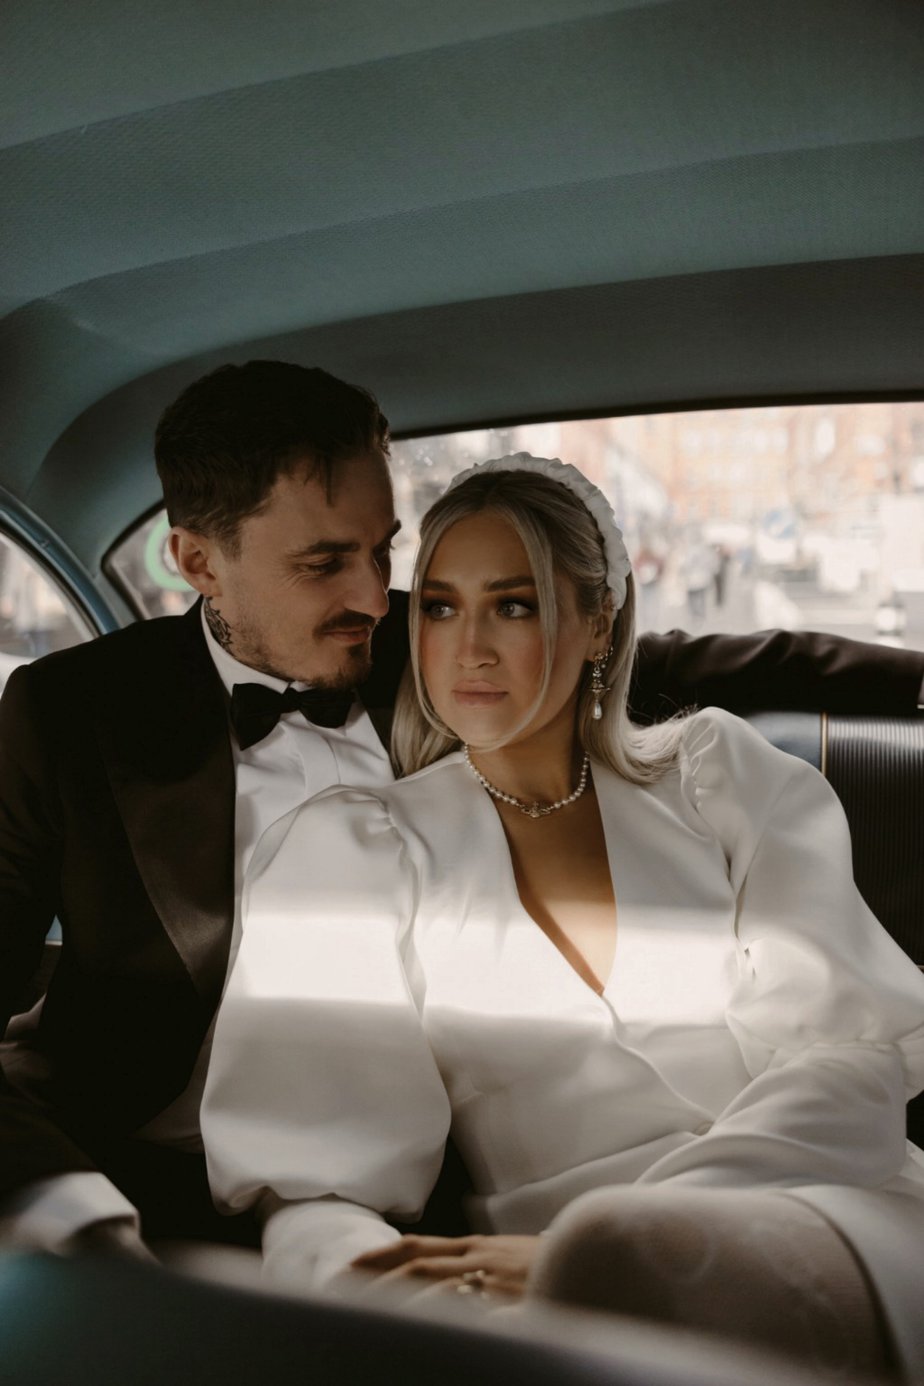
(759,1027)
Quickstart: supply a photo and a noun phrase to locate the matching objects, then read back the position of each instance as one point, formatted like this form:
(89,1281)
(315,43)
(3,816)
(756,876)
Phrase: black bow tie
(255,709)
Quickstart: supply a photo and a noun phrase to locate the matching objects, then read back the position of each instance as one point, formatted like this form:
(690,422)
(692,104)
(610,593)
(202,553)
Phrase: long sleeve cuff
(44,1215)
(306,1246)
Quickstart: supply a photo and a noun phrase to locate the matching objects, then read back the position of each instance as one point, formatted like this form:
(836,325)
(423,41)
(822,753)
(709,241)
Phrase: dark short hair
(222,445)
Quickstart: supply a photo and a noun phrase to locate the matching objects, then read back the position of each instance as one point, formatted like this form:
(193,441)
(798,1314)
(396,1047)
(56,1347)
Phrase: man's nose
(370,595)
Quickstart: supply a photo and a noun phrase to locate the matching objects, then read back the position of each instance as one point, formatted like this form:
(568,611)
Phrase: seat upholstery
(876,766)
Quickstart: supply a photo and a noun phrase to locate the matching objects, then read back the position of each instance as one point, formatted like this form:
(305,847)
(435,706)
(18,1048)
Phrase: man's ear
(194,555)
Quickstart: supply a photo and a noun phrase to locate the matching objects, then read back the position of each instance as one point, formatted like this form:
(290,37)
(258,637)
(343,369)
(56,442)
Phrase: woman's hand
(479,1266)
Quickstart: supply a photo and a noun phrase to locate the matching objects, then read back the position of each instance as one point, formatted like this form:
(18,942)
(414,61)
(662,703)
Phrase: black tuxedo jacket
(117,815)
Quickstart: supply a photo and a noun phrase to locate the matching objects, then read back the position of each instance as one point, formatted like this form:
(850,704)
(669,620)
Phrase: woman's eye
(514,611)
(436,611)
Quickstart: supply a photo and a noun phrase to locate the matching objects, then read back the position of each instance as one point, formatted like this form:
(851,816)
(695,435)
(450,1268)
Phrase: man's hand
(483,1267)
(111,1237)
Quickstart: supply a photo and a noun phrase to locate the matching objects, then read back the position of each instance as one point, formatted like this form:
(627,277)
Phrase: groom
(137,773)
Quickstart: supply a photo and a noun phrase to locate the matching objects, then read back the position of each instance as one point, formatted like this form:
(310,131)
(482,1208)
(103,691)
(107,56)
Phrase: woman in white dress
(627,968)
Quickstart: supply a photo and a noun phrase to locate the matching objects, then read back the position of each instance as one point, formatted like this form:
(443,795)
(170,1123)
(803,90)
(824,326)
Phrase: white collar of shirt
(296,760)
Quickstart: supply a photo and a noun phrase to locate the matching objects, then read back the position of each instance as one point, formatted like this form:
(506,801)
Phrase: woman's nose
(474,649)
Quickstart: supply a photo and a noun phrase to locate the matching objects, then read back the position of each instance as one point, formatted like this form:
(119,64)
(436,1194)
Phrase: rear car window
(794,516)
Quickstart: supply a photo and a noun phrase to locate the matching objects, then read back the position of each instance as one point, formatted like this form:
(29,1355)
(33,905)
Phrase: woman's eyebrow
(499,585)
(506,584)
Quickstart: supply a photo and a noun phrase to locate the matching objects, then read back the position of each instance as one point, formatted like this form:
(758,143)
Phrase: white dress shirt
(296,761)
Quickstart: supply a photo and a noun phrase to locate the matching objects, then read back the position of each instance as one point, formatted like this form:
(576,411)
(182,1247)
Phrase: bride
(627,967)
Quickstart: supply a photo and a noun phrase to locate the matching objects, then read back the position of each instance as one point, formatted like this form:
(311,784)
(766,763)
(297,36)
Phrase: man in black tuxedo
(137,772)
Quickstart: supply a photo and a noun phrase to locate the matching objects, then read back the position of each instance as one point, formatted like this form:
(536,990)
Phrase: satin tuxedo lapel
(164,741)
(164,738)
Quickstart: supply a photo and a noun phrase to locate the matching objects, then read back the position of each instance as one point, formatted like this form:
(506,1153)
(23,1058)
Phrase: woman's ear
(194,556)
(602,629)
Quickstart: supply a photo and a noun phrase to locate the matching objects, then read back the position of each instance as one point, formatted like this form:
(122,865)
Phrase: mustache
(349,620)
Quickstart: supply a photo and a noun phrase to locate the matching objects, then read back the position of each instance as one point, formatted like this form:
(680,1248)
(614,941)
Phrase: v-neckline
(558,952)
(580,965)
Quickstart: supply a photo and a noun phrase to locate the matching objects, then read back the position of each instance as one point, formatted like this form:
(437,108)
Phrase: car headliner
(481,209)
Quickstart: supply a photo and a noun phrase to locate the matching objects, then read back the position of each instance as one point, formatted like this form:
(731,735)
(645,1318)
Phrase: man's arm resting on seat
(774,669)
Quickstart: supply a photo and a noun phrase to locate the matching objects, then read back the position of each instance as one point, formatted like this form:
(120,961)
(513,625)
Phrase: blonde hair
(560,538)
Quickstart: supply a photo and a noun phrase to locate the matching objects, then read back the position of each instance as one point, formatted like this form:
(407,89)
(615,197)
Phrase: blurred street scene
(797,516)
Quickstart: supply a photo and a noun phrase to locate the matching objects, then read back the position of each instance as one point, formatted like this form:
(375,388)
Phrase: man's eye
(330,565)
(436,611)
(383,555)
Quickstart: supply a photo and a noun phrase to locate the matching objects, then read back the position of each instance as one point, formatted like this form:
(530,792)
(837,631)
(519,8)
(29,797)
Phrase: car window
(37,616)
(142,568)
(793,516)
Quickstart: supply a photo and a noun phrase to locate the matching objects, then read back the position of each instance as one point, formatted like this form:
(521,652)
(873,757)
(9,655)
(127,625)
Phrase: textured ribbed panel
(876,765)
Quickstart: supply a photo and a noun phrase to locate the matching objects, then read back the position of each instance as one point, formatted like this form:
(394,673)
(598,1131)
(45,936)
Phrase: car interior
(493,214)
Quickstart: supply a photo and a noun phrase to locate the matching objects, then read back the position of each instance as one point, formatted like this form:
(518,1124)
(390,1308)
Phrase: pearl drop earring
(597,687)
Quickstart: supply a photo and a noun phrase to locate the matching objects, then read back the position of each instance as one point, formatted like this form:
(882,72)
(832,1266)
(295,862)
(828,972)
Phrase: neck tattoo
(535,810)
(218,626)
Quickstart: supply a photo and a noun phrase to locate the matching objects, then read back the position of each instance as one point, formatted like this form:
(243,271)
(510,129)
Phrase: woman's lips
(478,695)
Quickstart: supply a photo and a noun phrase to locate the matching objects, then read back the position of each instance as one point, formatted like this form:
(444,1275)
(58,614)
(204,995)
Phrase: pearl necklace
(536,810)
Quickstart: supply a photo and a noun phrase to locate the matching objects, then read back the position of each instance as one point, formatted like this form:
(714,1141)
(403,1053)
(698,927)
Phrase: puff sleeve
(323,1103)
(828,1012)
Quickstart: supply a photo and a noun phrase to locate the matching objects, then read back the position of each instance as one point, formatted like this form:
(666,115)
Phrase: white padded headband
(617,559)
